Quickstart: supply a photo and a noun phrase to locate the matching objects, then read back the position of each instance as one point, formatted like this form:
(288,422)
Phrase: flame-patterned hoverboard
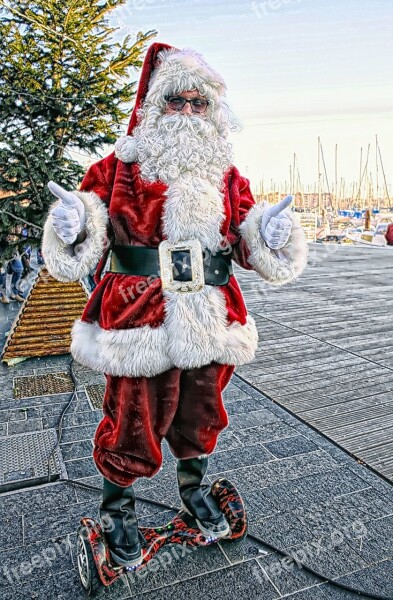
(96,567)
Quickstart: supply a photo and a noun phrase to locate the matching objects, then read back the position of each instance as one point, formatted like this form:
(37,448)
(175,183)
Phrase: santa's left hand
(276,225)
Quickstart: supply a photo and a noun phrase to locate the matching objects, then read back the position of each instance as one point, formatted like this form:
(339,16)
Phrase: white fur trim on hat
(125,149)
(180,70)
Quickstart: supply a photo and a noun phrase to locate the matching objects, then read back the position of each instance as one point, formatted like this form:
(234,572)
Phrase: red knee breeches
(183,406)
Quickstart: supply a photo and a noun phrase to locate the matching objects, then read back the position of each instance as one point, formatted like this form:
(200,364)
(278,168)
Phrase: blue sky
(295,70)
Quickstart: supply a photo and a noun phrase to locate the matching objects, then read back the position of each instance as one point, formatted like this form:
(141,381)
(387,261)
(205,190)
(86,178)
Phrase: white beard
(187,154)
(171,145)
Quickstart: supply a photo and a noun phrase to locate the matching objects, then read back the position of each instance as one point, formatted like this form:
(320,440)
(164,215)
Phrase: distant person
(3,278)
(24,232)
(16,269)
(40,257)
(91,284)
(389,235)
(25,258)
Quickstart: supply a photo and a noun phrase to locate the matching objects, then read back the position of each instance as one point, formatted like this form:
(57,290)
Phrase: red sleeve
(242,201)
(99,178)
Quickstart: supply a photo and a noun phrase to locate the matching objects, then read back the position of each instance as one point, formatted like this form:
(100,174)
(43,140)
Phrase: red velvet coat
(135,210)
(131,326)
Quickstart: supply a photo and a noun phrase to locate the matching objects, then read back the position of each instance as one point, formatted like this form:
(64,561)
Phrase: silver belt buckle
(197,282)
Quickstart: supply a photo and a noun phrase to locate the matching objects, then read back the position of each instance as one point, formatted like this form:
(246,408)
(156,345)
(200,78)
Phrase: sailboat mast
(384,176)
(319,176)
(335,188)
(377,171)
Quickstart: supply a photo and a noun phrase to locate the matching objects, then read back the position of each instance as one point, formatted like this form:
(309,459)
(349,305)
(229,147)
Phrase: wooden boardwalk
(326,347)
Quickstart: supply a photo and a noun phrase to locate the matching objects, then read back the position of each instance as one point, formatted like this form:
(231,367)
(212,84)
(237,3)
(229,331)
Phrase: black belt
(142,260)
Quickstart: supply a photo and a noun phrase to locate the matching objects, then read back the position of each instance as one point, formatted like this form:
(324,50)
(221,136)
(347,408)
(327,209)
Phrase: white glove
(68,217)
(276,225)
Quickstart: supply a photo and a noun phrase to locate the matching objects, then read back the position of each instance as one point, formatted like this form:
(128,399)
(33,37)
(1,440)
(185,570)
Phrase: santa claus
(166,214)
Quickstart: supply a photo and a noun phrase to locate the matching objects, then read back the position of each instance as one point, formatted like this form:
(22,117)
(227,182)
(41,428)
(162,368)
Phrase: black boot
(120,525)
(197,498)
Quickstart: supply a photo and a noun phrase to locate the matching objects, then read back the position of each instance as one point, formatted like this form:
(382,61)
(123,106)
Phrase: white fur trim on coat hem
(275,266)
(138,352)
(66,262)
(146,351)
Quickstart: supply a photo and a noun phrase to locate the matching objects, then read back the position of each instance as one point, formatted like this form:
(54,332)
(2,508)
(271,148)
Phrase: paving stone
(280,530)
(34,500)
(35,589)
(83,467)
(11,532)
(373,540)
(265,433)
(303,492)
(227,440)
(74,419)
(373,479)
(176,562)
(4,416)
(244,406)
(230,459)
(241,550)
(285,469)
(44,401)
(332,592)
(313,593)
(67,586)
(245,580)
(48,524)
(291,446)
(328,555)
(86,495)
(162,487)
(257,417)
(234,394)
(15,427)
(38,560)
(19,414)
(83,432)
(372,503)
(285,574)
(81,449)
(167,456)
(376,579)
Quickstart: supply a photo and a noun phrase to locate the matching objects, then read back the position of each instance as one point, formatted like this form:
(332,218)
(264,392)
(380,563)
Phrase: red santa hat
(167,70)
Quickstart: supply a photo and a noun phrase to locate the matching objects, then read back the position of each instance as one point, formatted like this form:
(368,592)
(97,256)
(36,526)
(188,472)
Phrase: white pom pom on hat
(125,149)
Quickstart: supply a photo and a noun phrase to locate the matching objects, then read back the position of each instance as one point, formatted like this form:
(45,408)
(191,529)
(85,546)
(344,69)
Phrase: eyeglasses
(198,105)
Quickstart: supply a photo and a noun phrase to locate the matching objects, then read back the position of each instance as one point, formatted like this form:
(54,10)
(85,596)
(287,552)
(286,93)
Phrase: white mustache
(192,123)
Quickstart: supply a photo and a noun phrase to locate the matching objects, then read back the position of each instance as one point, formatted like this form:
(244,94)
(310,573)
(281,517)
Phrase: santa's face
(189,102)
(180,138)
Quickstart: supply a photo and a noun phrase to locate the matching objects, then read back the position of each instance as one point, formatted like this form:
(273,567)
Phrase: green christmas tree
(66,88)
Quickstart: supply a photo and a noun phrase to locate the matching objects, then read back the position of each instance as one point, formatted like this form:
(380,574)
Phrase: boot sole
(126,563)
(207,532)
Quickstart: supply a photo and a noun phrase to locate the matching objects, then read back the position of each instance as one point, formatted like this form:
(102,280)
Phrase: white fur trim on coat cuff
(275,266)
(125,149)
(62,262)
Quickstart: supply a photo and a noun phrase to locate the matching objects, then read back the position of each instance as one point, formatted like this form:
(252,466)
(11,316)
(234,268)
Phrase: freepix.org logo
(265,7)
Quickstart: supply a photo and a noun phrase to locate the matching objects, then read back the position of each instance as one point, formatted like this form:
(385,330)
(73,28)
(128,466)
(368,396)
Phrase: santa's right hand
(68,216)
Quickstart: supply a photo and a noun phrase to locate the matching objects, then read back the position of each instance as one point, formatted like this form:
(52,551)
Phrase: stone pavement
(302,494)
